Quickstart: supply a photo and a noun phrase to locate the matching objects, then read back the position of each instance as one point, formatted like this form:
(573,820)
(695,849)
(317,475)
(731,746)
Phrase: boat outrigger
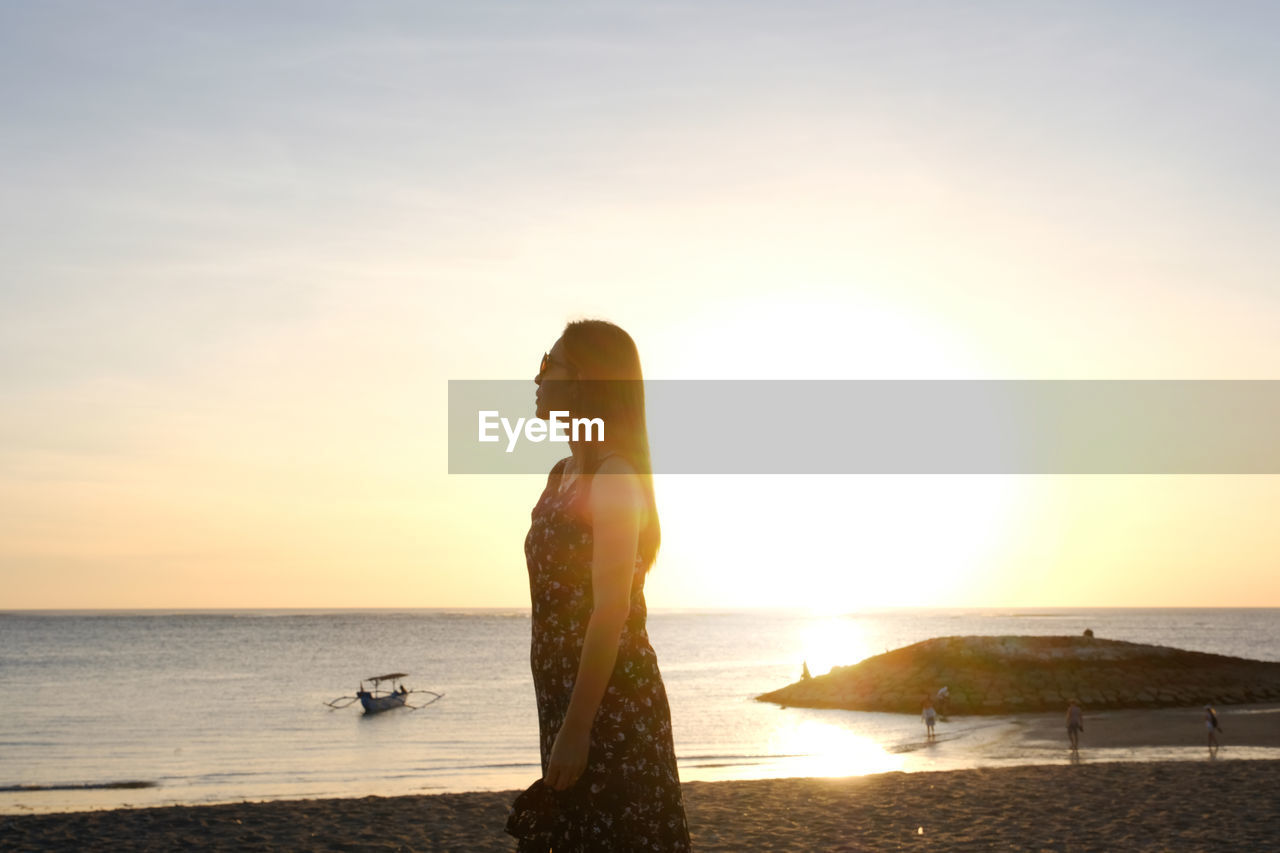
(379,698)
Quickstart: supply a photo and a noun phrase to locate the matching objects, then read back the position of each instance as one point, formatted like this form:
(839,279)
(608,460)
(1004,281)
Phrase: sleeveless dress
(628,797)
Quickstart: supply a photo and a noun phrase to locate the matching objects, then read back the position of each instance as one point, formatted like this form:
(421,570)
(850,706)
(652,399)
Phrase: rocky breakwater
(1007,675)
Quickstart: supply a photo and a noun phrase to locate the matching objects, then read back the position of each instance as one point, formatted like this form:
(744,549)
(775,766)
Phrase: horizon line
(662,609)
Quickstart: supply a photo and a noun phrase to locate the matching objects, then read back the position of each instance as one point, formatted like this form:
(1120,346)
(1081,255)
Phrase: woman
(602,709)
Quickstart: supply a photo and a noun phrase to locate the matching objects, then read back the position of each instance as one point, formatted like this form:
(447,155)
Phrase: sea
(108,709)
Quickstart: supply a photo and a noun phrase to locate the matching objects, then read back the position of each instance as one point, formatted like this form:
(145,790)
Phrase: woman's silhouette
(602,708)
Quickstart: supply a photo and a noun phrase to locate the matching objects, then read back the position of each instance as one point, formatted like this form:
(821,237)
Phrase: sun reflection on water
(821,748)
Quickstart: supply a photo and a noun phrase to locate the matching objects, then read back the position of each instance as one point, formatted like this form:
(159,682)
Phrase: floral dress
(628,797)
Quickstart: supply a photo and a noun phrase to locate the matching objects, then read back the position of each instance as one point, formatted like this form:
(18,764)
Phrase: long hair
(611,387)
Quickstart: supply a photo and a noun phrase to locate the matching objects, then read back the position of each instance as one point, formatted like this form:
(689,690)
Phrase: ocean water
(105,709)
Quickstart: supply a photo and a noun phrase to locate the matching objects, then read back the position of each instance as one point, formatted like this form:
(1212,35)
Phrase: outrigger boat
(379,698)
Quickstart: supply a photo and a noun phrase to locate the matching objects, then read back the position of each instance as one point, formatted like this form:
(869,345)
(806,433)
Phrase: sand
(1226,803)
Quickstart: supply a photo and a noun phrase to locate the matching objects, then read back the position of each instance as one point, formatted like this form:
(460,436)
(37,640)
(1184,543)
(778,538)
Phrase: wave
(80,786)
(524,765)
(750,756)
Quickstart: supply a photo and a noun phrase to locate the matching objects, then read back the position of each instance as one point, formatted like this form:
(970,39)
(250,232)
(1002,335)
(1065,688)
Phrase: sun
(831,543)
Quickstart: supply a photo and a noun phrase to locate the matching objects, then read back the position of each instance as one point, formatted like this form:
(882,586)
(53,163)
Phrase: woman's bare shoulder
(620,489)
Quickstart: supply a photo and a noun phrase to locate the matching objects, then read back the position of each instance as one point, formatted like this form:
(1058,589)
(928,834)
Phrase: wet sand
(1226,805)
(1242,726)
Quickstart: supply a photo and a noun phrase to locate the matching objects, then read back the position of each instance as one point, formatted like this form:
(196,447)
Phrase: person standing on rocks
(1075,724)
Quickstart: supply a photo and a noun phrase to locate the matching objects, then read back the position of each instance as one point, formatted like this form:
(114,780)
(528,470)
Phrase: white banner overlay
(895,427)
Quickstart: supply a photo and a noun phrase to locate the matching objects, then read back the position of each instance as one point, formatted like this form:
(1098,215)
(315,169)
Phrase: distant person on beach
(1075,724)
(1212,726)
(942,698)
(930,718)
(603,716)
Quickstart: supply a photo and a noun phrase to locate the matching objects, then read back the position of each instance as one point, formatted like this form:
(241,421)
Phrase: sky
(244,247)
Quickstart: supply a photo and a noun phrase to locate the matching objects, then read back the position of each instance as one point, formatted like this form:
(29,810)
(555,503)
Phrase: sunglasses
(547,361)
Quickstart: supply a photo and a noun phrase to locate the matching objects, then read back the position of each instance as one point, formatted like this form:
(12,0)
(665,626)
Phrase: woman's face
(555,383)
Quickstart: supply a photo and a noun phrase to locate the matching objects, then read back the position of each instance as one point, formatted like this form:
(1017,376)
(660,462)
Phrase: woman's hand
(568,756)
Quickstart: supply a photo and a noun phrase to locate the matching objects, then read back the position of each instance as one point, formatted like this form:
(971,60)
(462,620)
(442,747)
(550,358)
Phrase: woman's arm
(617,507)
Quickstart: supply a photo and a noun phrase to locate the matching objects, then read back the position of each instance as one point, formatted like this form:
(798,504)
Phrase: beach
(222,736)
(1143,780)
(1225,804)
(1150,730)
(1228,801)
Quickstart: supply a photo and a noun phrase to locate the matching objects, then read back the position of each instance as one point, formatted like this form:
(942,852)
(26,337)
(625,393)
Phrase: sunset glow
(230,318)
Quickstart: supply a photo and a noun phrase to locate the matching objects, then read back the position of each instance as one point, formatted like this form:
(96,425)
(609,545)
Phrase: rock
(1000,675)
